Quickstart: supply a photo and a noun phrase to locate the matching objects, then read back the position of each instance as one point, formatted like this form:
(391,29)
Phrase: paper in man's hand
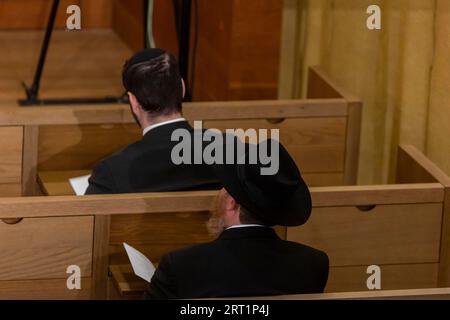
(80,184)
(142,266)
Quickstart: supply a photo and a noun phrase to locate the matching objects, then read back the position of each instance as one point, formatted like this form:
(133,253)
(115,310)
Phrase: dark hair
(156,83)
(246,217)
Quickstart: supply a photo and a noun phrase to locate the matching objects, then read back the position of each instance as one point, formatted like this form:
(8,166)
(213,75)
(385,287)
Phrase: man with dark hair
(155,90)
(248,258)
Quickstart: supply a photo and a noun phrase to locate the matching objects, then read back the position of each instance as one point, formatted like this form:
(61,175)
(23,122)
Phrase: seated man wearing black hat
(156,90)
(248,258)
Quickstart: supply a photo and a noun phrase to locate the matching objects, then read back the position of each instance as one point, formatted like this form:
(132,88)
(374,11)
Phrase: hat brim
(294,212)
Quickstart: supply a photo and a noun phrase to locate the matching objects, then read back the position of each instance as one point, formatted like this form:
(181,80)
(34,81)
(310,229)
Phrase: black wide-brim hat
(281,198)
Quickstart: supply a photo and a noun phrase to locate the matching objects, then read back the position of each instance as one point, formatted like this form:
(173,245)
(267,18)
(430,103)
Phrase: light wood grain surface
(43,248)
(412,294)
(393,277)
(387,234)
(51,289)
(11,155)
(56,183)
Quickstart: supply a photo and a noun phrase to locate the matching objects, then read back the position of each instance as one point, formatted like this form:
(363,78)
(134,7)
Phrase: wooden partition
(421,294)
(402,228)
(30,15)
(397,227)
(321,134)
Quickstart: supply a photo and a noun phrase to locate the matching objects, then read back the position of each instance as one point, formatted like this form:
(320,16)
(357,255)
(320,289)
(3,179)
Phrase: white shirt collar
(146,130)
(246,226)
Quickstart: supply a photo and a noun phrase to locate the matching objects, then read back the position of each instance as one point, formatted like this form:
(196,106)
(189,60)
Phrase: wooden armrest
(125,281)
(56,183)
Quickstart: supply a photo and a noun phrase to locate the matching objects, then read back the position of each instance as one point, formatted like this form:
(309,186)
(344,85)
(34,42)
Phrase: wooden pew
(414,294)
(321,132)
(403,228)
(377,216)
(42,236)
(398,227)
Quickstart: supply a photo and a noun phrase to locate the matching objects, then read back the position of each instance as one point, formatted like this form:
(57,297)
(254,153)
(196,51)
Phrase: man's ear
(231,206)
(184,87)
(134,103)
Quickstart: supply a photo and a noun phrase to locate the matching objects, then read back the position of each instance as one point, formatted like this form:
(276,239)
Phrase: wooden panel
(102,225)
(25,14)
(324,179)
(214,50)
(118,204)
(377,194)
(79,65)
(10,190)
(11,114)
(162,202)
(53,289)
(414,167)
(230,68)
(164,26)
(80,147)
(56,183)
(43,248)
(168,228)
(11,155)
(265,109)
(128,22)
(30,160)
(112,292)
(254,75)
(96,14)
(387,234)
(317,145)
(393,277)
(352,143)
(319,87)
(160,228)
(156,235)
(156,250)
(126,282)
(444,266)
(411,294)
(153,251)
(322,86)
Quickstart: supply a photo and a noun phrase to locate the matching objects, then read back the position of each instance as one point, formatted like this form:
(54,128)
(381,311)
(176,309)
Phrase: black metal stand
(32,92)
(184,44)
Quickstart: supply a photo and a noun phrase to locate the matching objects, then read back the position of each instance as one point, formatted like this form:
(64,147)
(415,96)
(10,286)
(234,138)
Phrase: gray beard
(215,226)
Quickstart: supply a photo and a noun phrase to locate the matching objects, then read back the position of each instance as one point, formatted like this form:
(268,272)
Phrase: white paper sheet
(80,184)
(142,266)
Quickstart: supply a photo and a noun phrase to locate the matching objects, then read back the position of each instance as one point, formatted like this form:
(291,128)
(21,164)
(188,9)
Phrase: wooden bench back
(397,227)
(403,228)
(321,134)
(414,294)
(314,133)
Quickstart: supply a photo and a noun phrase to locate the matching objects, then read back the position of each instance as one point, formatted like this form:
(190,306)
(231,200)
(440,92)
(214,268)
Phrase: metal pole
(34,90)
(185,35)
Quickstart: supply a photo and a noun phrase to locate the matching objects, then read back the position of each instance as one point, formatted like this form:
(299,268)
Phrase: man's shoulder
(121,155)
(292,249)
(306,252)
(192,256)
(192,251)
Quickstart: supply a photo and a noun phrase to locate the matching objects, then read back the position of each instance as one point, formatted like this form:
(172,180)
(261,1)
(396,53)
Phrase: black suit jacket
(146,166)
(251,261)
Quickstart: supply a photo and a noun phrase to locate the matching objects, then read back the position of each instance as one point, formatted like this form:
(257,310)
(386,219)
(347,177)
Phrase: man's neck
(151,121)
